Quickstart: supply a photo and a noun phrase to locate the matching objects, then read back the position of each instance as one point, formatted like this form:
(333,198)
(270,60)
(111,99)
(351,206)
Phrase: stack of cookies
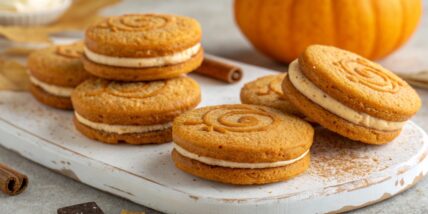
(140,61)
(137,64)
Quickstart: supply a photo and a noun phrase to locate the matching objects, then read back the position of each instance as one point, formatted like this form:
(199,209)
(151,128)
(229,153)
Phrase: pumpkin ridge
(402,27)
(257,25)
(335,24)
(376,36)
(402,36)
(292,24)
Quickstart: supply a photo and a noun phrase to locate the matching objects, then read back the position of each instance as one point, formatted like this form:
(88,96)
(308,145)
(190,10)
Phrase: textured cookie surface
(137,103)
(49,99)
(143,74)
(240,176)
(359,83)
(333,122)
(143,35)
(242,133)
(267,91)
(59,65)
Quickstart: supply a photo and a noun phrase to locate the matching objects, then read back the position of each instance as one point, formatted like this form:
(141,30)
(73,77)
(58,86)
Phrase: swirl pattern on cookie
(135,90)
(236,118)
(135,22)
(362,72)
(70,51)
(274,87)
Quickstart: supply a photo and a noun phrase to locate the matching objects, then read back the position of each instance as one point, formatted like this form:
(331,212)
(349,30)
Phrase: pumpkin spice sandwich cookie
(132,112)
(267,91)
(55,72)
(350,95)
(241,144)
(140,47)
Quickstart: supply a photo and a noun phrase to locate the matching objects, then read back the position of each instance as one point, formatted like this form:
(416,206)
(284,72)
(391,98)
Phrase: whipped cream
(230,164)
(316,95)
(175,58)
(25,6)
(52,89)
(122,129)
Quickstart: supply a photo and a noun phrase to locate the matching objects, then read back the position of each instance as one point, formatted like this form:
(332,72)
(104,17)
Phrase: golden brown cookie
(55,72)
(137,47)
(267,91)
(349,94)
(241,144)
(132,112)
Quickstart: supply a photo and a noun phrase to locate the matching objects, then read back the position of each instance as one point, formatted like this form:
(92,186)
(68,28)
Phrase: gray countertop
(49,191)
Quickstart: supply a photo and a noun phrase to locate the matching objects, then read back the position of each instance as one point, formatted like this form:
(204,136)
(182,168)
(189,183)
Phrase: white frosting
(52,89)
(175,58)
(25,6)
(122,129)
(316,95)
(230,164)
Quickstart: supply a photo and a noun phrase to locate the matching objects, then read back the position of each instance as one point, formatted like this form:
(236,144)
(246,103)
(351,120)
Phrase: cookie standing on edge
(241,144)
(350,95)
(133,112)
(140,47)
(55,72)
(267,91)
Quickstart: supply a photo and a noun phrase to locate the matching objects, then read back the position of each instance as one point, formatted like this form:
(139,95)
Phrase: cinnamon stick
(219,70)
(12,182)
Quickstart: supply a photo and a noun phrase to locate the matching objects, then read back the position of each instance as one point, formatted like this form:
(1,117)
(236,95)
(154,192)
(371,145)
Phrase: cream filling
(122,129)
(316,95)
(175,58)
(52,89)
(230,164)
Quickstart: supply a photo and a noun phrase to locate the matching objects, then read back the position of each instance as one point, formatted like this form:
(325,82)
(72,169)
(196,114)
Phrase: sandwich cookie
(350,95)
(133,112)
(54,73)
(267,91)
(241,144)
(139,47)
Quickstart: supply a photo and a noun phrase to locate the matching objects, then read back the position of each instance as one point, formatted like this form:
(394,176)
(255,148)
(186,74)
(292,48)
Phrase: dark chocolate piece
(85,208)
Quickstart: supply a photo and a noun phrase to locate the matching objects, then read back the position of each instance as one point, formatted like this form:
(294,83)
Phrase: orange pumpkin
(283,28)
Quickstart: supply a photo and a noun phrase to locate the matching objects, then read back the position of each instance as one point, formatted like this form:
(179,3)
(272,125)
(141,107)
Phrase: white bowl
(34,18)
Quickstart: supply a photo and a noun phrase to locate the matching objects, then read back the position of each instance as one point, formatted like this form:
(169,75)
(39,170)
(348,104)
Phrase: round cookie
(55,72)
(267,91)
(132,112)
(139,47)
(349,94)
(241,144)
